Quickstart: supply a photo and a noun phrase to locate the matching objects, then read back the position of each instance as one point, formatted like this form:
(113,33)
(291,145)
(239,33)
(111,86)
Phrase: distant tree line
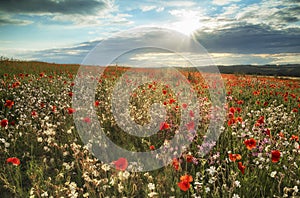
(3,58)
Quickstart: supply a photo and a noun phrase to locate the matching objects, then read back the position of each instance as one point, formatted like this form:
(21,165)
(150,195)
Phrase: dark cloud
(6,21)
(288,15)
(247,39)
(74,54)
(242,39)
(51,6)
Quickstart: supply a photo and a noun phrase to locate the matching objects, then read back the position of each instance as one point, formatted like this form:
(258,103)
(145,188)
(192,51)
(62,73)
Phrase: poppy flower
(42,105)
(189,158)
(184,183)
(121,164)
(191,126)
(250,143)
(268,132)
(281,134)
(241,167)
(275,156)
(255,93)
(232,110)
(231,122)
(152,147)
(172,100)
(164,125)
(71,110)
(4,123)
(15,161)
(34,114)
(295,137)
(184,105)
(87,120)
(97,102)
(234,157)
(70,94)
(239,119)
(260,121)
(240,102)
(164,92)
(9,103)
(192,113)
(175,164)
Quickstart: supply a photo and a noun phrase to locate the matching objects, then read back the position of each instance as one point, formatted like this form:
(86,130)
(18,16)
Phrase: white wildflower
(273,173)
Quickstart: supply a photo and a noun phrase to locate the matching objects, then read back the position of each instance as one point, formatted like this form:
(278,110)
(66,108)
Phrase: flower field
(42,155)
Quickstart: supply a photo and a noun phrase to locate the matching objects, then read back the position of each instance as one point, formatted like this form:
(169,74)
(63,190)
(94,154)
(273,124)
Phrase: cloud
(224,2)
(251,39)
(147,8)
(52,6)
(248,44)
(278,14)
(9,21)
(179,4)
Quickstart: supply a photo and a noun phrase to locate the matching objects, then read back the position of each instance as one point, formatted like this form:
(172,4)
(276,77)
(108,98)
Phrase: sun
(187,25)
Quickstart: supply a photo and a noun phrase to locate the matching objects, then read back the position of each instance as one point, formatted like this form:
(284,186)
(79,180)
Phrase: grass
(40,131)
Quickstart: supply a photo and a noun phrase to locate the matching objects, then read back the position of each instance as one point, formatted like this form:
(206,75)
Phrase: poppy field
(42,154)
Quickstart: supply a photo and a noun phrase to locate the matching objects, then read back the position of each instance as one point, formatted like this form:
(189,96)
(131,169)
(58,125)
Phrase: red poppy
(240,102)
(256,93)
(191,126)
(71,110)
(15,161)
(9,103)
(275,156)
(295,110)
(4,123)
(268,132)
(34,114)
(239,119)
(189,158)
(192,113)
(295,137)
(172,100)
(184,183)
(260,121)
(121,164)
(250,143)
(184,105)
(97,102)
(53,108)
(175,164)
(164,125)
(152,147)
(241,167)
(42,105)
(281,134)
(87,120)
(70,94)
(231,122)
(164,92)
(232,110)
(234,157)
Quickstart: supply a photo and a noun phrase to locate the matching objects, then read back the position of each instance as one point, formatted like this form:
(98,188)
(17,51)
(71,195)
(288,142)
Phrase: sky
(231,31)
